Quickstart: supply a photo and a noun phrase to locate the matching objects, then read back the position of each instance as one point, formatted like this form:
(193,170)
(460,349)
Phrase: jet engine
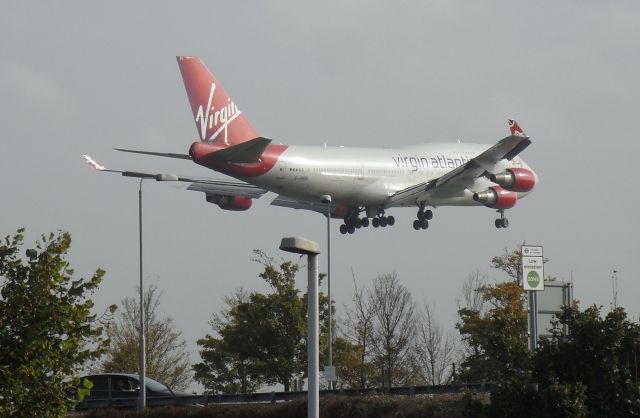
(225,202)
(497,198)
(515,179)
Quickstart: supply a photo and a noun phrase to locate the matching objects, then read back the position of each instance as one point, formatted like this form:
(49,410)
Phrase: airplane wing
(225,188)
(287,202)
(464,175)
(209,186)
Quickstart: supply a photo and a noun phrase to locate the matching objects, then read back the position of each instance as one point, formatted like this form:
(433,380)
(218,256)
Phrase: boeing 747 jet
(359,185)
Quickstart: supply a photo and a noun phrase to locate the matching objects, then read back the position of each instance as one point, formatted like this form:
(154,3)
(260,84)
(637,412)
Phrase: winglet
(93,163)
(515,128)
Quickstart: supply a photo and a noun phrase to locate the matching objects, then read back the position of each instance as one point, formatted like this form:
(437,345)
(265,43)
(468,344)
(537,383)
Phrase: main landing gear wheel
(420,224)
(424,216)
(382,221)
(353,222)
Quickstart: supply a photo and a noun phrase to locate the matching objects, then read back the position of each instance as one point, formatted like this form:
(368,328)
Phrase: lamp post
(142,400)
(327,199)
(311,250)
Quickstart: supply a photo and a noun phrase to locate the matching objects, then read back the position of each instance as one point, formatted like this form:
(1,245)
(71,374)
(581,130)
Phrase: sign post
(533,282)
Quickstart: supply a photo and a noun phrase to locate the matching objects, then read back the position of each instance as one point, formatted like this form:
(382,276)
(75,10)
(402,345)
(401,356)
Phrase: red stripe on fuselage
(203,153)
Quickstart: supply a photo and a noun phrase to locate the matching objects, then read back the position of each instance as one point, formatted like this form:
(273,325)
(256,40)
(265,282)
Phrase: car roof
(135,376)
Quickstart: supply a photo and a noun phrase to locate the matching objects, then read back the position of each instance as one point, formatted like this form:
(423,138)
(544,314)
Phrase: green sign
(533,279)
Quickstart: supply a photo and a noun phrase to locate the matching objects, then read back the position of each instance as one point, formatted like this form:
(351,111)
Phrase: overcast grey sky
(83,77)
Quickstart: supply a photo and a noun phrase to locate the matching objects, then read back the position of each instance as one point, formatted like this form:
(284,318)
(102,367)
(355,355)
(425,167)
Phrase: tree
(229,363)
(510,262)
(434,350)
(393,329)
(352,369)
(498,350)
(596,364)
(497,339)
(354,366)
(380,329)
(282,323)
(47,329)
(471,298)
(261,338)
(167,359)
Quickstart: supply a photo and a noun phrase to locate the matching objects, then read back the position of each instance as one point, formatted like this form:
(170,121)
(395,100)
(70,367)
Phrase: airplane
(358,185)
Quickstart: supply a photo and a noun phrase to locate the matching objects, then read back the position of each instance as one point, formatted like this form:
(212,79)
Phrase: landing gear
(424,216)
(502,222)
(420,224)
(353,221)
(382,221)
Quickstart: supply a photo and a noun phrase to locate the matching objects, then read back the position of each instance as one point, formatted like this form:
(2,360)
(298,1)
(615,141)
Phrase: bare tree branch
(435,351)
(166,354)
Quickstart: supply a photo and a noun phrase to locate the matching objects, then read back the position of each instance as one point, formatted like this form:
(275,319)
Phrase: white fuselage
(369,176)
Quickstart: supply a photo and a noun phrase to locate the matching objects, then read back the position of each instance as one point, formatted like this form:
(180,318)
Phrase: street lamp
(311,249)
(142,176)
(142,401)
(327,200)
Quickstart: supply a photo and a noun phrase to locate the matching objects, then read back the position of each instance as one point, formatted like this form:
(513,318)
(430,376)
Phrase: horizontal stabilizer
(244,152)
(157,154)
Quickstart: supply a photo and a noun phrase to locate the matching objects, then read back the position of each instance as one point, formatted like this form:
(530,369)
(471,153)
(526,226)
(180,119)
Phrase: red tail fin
(217,117)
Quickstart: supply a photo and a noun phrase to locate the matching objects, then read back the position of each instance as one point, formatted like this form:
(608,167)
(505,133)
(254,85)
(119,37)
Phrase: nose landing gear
(502,222)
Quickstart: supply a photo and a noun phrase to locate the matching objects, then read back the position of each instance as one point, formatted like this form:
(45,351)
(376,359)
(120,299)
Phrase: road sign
(532,250)
(329,373)
(532,267)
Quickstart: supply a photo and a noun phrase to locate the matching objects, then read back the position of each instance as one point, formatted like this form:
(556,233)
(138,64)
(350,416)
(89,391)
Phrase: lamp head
(299,245)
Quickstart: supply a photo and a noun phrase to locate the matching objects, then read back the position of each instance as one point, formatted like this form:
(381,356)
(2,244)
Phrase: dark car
(122,390)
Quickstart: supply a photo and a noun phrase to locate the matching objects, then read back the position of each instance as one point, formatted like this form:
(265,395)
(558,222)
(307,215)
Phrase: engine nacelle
(515,179)
(229,202)
(497,198)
